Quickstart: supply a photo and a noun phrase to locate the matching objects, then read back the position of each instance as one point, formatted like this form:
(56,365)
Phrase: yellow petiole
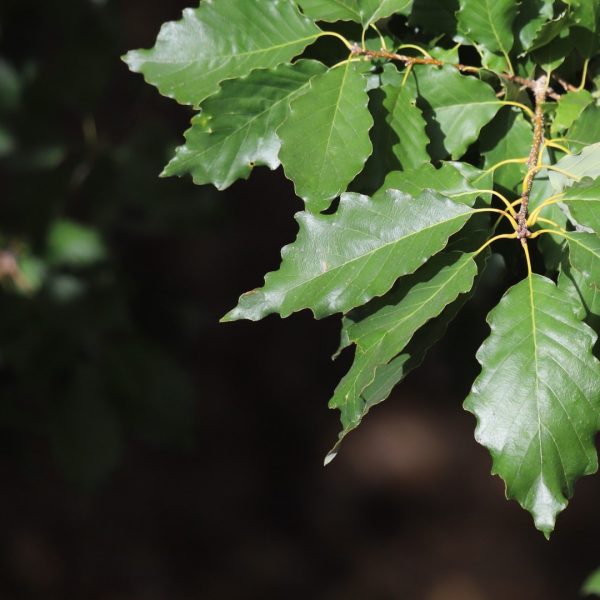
(533,217)
(500,212)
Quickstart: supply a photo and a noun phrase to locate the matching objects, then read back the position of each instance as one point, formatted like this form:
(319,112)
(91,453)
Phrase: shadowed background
(146,451)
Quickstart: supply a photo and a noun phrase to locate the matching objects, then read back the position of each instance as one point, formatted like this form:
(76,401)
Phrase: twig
(540,90)
(417,60)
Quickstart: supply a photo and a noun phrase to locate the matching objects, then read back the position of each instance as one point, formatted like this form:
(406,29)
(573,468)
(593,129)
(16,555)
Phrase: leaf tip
(329,458)
(229,317)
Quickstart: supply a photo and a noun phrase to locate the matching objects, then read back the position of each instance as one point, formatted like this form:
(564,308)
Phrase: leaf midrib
(420,306)
(375,250)
(247,125)
(334,119)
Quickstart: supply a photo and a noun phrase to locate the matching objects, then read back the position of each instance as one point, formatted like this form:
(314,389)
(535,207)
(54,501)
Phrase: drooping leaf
(343,260)
(236,129)
(456,107)
(325,140)
(537,399)
(382,335)
(586,129)
(584,164)
(489,23)
(361,11)
(508,136)
(570,106)
(192,56)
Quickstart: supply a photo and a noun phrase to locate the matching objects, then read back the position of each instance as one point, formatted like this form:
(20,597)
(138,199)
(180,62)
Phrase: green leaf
(222,39)
(586,14)
(74,245)
(385,331)
(325,141)
(448,180)
(570,106)
(361,11)
(398,135)
(591,586)
(584,274)
(553,54)
(489,23)
(533,15)
(583,201)
(456,107)
(343,260)
(584,164)
(586,129)
(537,398)
(584,254)
(236,129)
(507,136)
(551,30)
(584,291)
(407,138)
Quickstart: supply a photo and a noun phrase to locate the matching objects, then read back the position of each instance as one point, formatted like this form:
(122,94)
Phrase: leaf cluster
(418,133)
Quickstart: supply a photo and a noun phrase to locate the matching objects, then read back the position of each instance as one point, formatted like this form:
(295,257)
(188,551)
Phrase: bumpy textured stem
(414,60)
(540,92)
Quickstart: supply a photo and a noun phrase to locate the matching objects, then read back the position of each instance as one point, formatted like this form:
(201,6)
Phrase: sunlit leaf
(192,56)
(236,129)
(342,260)
(537,399)
(361,11)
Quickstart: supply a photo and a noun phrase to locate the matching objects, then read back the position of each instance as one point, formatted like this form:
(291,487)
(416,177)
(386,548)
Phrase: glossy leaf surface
(537,399)
(361,11)
(343,260)
(489,23)
(236,129)
(384,333)
(192,56)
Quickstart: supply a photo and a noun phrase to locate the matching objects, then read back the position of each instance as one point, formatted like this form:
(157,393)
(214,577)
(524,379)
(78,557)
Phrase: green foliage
(401,258)
(322,167)
(591,586)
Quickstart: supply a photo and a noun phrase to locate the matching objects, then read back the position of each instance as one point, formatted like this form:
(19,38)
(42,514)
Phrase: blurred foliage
(82,368)
(591,586)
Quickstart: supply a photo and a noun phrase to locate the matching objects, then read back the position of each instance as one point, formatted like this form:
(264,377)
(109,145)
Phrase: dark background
(147,452)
